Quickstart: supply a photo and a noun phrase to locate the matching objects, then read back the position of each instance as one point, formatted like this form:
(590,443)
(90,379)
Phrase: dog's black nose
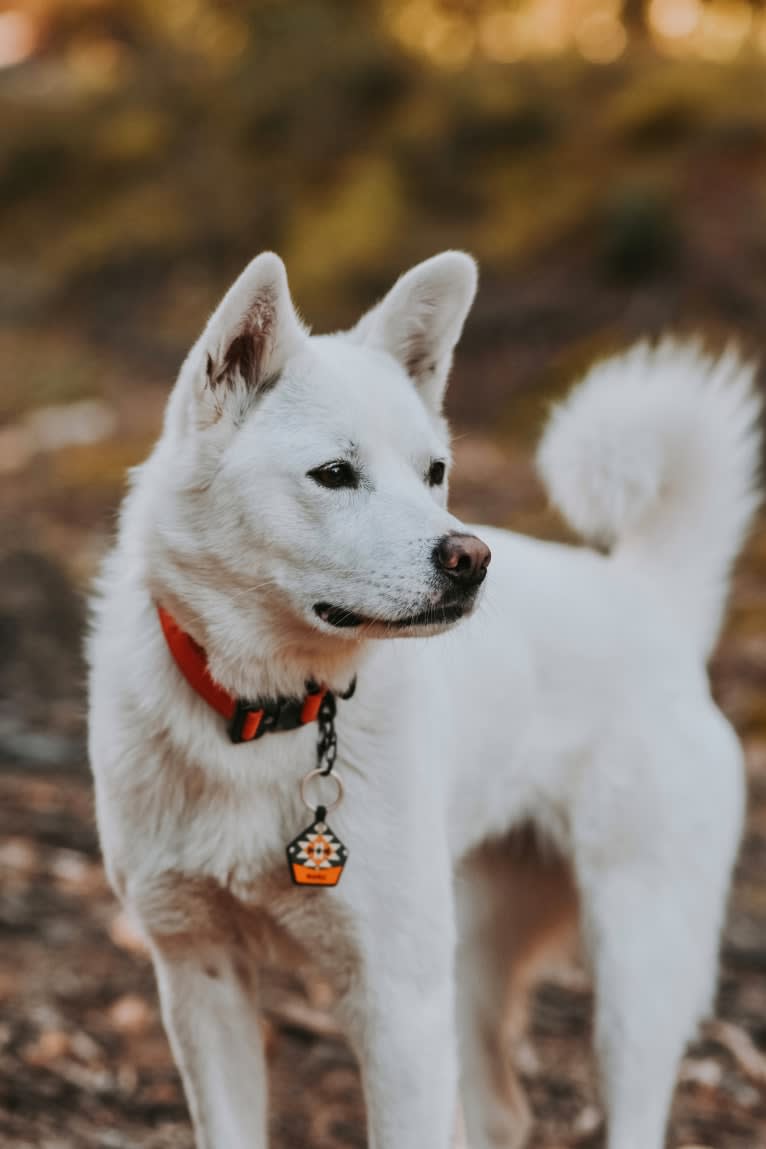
(463,558)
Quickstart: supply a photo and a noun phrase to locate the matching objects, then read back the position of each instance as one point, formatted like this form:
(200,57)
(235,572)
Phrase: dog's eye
(436,473)
(335,475)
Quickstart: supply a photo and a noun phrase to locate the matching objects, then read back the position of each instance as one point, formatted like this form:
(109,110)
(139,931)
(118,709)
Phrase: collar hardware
(327,746)
(251,720)
(247,720)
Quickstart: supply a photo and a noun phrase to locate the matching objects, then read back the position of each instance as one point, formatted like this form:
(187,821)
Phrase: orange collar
(246,720)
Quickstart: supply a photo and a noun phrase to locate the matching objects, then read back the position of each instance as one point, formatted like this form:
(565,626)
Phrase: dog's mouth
(441,614)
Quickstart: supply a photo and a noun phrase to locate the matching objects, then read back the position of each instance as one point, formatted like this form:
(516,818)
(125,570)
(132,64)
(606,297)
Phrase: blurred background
(606,162)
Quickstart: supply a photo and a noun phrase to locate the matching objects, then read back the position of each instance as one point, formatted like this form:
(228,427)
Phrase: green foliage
(639,234)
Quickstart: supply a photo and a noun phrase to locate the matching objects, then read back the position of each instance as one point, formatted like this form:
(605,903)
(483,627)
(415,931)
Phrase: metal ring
(335,777)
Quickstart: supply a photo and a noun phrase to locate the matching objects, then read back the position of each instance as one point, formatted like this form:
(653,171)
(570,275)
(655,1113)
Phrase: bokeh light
(18,37)
(724,28)
(601,36)
(599,31)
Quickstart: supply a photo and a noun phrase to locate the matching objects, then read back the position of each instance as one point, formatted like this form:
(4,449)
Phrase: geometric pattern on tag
(317,856)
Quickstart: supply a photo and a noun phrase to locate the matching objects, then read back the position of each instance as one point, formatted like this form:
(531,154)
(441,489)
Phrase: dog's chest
(241,838)
(264,919)
(226,813)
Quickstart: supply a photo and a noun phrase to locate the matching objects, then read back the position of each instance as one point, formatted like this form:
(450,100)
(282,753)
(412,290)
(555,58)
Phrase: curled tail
(656,453)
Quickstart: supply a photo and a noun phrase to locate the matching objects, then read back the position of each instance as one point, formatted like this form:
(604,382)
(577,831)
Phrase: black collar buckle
(285,714)
(276,714)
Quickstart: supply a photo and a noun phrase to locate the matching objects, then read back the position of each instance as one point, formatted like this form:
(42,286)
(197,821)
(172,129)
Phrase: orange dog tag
(317,857)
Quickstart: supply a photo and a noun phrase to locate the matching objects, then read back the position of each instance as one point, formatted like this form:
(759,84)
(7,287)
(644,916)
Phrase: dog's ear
(248,338)
(420,320)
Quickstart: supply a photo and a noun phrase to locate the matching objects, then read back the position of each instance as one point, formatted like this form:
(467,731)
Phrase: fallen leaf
(587,1121)
(49,1047)
(19,855)
(131,1014)
(742,1048)
(75,872)
(705,1072)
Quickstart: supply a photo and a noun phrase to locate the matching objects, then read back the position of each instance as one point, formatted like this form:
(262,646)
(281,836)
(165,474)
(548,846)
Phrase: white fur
(656,452)
(575,698)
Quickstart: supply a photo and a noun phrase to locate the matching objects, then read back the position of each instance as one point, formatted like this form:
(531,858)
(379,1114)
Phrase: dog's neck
(265,660)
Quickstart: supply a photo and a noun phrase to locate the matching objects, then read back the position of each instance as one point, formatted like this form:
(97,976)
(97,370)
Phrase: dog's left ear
(420,320)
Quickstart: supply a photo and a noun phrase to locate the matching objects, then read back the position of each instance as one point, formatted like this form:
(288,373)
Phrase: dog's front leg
(405,1042)
(400,1020)
(214,1028)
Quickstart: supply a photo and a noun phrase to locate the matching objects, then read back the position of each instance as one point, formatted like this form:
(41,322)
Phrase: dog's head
(309,474)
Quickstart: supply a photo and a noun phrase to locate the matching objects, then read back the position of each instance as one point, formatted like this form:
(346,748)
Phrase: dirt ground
(83,1058)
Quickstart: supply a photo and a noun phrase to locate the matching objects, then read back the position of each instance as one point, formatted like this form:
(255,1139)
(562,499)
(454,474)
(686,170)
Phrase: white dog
(288,535)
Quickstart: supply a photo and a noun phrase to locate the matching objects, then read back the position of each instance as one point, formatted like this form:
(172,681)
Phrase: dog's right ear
(248,339)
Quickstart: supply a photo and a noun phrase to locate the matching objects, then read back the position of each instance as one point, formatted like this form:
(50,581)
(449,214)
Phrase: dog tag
(317,857)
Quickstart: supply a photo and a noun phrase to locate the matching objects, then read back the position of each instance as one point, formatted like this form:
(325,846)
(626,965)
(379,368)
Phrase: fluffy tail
(656,454)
